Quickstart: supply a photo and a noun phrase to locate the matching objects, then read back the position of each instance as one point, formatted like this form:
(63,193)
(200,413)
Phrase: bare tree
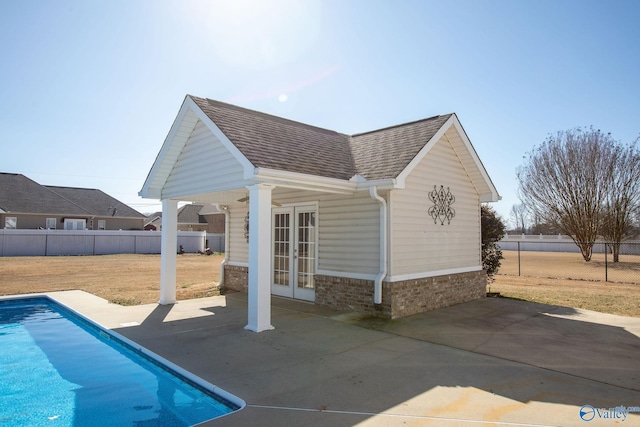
(623,198)
(519,217)
(564,183)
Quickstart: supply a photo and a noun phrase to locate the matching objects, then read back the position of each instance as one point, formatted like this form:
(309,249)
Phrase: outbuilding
(385,222)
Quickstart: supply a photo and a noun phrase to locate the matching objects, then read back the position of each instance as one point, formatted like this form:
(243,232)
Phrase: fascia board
(152,188)
(452,121)
(381,184)
(423,152)
(490,197)
(304,181)
(149,190)
(247,166)
(476,159)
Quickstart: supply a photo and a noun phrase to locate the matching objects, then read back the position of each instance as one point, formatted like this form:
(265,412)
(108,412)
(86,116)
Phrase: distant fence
(559,257)
(558,243)
(100,242)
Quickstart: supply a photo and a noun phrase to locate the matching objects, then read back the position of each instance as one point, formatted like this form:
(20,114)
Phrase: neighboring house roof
(22,195)
(187,214)
(260,141)
(96,202)
(19,194)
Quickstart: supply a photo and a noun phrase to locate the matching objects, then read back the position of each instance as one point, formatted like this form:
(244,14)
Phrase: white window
(74,224)
(51,224)
(102,224)
(11,222)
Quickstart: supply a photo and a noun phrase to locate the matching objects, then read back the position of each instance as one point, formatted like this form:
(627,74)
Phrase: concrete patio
(488,362)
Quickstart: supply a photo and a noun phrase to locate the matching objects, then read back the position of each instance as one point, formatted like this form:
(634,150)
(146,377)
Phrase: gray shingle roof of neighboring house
(276,143)
(96,202)
(190,214)
(20,194)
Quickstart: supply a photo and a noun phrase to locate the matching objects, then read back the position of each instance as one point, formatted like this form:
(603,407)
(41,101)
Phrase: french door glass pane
(306,249)
(281,249)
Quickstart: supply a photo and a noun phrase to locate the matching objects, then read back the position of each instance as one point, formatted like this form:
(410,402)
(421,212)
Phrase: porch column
(259,258)
(169,245)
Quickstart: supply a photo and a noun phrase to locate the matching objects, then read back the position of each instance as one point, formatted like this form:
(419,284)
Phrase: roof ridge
(266,115)
(72,188)
(402,124)
(67,199)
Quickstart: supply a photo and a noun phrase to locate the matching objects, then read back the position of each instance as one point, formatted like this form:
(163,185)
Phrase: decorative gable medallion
(441,210)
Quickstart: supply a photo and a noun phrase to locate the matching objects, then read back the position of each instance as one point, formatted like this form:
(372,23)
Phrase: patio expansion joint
(399,416)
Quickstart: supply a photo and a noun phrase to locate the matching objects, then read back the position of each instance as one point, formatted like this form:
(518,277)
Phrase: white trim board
(435,273)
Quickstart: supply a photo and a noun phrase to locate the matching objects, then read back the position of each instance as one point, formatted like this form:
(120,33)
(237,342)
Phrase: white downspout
(224,262)
(377,292)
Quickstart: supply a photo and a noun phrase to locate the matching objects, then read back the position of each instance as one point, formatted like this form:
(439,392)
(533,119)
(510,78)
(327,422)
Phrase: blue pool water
(56,369)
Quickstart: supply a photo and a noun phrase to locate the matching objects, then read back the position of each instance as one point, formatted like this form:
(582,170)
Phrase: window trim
(7,221)
(48,221)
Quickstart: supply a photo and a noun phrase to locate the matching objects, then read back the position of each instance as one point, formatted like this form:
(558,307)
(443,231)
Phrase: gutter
(225,261)
(377,290)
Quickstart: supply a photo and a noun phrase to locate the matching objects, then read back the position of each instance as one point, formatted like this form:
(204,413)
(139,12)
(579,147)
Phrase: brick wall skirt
(236,278)
(419,295)
(399,299)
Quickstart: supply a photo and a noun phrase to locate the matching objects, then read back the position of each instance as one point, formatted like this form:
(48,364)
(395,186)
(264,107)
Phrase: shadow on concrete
(552,337)
(481,359)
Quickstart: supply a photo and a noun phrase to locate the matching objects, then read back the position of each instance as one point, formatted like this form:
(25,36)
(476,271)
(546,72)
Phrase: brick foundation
(399,299)
(419,295)
(236,278)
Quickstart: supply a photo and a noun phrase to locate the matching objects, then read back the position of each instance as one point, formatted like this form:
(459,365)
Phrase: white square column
(259,258)
(169,248)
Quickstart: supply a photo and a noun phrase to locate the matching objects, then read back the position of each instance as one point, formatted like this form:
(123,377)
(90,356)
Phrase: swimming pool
(59,369)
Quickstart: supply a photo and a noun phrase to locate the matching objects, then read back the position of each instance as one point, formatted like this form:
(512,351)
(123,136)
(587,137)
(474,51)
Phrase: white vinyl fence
(558,243)
(100,242)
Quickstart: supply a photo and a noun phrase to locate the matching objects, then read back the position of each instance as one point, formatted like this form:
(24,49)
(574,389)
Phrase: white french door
(294,252)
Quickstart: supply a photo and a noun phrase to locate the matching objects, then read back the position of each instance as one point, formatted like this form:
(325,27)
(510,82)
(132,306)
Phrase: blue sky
(89,89)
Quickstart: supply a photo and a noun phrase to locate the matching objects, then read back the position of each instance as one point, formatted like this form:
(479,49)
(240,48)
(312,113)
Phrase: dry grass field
(124,279)
(565,279)
(567,265)
(135,279)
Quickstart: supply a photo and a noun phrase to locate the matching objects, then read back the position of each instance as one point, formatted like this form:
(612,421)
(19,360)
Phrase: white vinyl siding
(238,250)
(348,230)
(419,245)
(349,235)
(203,166)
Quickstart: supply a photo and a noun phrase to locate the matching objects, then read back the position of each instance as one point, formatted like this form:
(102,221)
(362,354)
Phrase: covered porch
(277,235)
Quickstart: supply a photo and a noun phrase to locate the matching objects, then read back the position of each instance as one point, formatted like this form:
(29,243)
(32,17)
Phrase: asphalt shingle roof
(22,195)
(189,214)
(385,153)
(276,143)
(96,202)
